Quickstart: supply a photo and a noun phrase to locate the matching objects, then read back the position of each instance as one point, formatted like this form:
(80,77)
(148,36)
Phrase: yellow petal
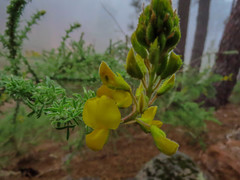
(157,123)
(149,114)
(164,144)
(147,118)
(89,112)
(122,98)
(96,139)
(101,113)
(111,80)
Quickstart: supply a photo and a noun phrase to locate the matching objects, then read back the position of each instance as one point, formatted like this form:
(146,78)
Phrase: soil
(124,156)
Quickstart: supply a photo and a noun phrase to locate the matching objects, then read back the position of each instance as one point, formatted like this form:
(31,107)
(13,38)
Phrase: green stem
(144,83)
(158,84)
(150,84)
(152,100)
(16,112)
(141,122)
(31,70)
(133,97)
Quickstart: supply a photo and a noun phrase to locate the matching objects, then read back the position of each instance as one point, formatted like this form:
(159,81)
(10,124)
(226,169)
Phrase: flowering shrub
(151,61)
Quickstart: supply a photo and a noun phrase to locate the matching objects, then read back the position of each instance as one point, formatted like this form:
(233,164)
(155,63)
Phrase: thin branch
(16,112)
(159,82)
(30,69)
(152,100)
(113,18)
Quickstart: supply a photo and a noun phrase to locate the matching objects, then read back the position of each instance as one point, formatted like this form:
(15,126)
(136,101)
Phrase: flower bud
(174,39)
(167,85)
(150,34)
(140,34)
(140,49)
(142,103)
(162,64)
(154,52)
(132,66)
(164,144)
(139,90)
(174,63)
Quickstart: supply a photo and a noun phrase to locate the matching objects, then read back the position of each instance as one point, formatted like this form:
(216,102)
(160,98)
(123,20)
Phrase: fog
(99,27)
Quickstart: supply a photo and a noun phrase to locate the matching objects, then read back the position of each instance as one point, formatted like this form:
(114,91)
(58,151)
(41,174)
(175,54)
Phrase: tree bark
(183,12)
(200,34)
(227,65)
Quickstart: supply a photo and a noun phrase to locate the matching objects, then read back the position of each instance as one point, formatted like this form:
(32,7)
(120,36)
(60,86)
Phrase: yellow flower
(122,98)
(101,114)
(164,144)
(112,80)
(146,121)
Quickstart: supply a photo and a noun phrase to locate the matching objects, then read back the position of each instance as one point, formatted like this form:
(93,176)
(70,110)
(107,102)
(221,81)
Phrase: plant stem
(152,100)
(130,116)
(159,82)
(133,97)
(150,84)
(141,122)
(144,83)
(16,112)
(31,70)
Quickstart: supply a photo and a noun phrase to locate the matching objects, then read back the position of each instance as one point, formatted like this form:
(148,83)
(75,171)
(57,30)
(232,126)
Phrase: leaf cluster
(49,98)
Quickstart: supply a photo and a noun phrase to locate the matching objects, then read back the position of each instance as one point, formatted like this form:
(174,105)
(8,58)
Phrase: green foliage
(181,106)
(12,39)
(49,98)
(235,96)
(74,61)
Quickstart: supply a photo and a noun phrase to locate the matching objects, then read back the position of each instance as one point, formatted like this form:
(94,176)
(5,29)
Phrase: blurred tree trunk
(183,12)
(200,34)
(227,64)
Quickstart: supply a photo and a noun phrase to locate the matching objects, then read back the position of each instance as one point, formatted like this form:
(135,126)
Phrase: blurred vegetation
(235,97)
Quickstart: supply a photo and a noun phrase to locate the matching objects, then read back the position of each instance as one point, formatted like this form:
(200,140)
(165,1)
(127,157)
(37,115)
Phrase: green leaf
(166,86)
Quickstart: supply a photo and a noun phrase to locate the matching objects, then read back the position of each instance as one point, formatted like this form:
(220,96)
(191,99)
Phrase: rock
(178,166)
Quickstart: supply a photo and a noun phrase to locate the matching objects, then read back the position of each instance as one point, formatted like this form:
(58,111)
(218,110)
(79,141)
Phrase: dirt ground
(123,157)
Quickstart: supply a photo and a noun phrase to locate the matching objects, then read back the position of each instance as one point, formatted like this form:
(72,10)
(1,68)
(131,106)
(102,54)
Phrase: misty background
(99,27)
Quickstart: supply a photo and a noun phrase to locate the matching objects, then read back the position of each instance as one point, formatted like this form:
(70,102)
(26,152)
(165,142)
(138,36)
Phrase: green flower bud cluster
(155,37)
(159,23)
(153,41)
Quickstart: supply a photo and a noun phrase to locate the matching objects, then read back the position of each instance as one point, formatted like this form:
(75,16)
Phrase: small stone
(178,166)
